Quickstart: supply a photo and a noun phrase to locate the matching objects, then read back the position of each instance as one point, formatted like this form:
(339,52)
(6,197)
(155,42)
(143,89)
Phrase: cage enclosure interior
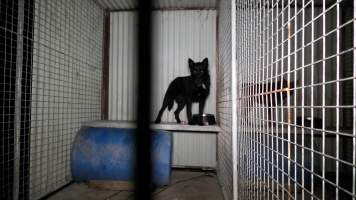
(252,99)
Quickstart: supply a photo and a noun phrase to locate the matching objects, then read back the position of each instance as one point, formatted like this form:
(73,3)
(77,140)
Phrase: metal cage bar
(19,63)
(354,103)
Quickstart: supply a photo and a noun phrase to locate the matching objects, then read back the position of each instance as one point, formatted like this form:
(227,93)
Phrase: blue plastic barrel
(108,154)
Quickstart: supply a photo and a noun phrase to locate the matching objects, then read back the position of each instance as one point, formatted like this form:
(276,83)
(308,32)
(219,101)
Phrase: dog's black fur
(186,90)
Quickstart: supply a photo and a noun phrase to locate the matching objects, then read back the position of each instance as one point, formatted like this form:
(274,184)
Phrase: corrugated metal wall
(122,67)
(178,35)
(66,86)
(224,100)
(160,4)
(192,149)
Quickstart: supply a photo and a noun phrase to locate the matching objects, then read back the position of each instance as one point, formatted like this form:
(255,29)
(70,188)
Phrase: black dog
(188,89)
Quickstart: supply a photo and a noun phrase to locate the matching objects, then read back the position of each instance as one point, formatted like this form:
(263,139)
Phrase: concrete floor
(185,185)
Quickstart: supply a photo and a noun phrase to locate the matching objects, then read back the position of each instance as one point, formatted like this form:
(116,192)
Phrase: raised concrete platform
(163,126)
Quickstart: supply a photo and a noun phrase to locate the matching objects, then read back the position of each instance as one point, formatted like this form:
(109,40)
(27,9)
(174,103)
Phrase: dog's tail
(170,103)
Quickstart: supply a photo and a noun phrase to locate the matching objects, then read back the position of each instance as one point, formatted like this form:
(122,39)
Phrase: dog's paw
(201,124)
(183,123)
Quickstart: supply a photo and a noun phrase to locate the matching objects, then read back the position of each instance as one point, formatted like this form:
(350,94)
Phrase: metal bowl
(203,120)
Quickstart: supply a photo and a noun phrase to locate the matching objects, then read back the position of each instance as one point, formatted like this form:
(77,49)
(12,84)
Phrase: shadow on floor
(185,185)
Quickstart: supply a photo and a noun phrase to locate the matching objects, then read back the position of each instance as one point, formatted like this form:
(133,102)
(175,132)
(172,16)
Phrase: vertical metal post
(256,64)
(258,135)
(295,95)
(248,137)
(265,135)
(289,117)
(234,96)
(249,145)
(105,76)
(264,77)
(143,132)
(280,86)
(275,99)
(269,105)
(303,97)
(19,61)
(312,98)
(337,97)
(248,101)
(354,96)
(323,104)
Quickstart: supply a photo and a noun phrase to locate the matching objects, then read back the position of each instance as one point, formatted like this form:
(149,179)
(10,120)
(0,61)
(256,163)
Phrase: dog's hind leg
(189,112)
(178,110)
(166,102)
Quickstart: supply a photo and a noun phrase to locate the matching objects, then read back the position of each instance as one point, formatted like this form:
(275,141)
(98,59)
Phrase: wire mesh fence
(296,95)
(51,74)
(8,43)
(66,86)
(296,85)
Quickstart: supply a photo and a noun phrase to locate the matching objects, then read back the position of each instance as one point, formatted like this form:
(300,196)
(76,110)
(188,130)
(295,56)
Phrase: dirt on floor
(185,185)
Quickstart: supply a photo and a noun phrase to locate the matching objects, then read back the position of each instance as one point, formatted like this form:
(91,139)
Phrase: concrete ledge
(163,126)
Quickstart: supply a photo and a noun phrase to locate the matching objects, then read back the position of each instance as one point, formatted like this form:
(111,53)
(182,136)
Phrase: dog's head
(198,69)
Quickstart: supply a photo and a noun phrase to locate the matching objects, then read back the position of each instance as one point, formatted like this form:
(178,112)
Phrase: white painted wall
(159,4)
(194,149)
(122,66)
(177,36)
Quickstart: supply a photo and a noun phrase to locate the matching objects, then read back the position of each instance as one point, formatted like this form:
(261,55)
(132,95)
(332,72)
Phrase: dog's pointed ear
(190,63)
(205,62)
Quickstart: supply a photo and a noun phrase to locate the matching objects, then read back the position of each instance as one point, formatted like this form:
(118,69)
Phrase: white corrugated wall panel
(118,4)
(194,149)
(158,4)
(66,86)
(224,103)
(177,36)
(122,66)
(196,4)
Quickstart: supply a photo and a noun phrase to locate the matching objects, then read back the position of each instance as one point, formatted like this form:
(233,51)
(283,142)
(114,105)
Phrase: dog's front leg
(201,106)
(189,112)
